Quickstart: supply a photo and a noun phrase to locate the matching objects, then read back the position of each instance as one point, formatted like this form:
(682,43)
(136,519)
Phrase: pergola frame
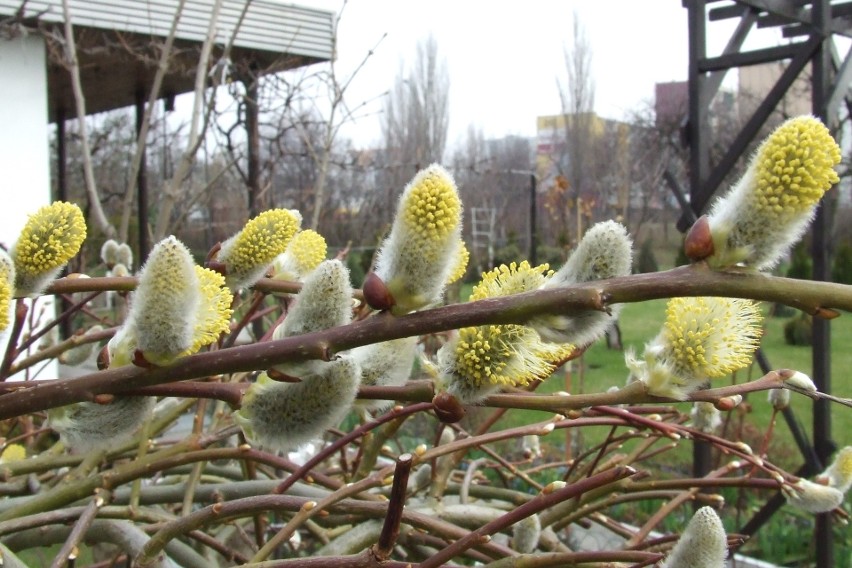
(813,24)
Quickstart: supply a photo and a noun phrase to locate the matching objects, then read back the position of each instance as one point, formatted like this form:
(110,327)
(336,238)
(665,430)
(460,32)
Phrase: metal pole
(142,184)
(62,195)
(699,157)
(533,238)
(61,157)
(820,243)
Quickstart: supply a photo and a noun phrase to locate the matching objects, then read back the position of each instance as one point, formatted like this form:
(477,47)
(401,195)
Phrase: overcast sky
(504,56)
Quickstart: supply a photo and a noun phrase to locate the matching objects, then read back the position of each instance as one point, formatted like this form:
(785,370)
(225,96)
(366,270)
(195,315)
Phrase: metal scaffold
(810,28)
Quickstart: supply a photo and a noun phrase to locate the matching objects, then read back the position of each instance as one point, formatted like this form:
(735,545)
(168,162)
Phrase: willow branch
(694,280)
(239,508)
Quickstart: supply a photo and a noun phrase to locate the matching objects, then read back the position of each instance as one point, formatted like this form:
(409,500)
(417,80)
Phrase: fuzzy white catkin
(839,473)
(282,416)
(165,302)
(779,398)
(706,417)
(703,543)
(124,255)
(109,252)
(605,251)
(78,355)
(385,364)
(88,426)
(526,534)
(813,497)
(325,301)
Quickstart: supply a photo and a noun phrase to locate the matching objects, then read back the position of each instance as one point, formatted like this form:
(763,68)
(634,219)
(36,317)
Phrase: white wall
(24,142)
(24,150)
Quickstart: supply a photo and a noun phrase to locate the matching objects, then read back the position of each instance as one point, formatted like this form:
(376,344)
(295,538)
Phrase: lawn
(786,539)
(601,368)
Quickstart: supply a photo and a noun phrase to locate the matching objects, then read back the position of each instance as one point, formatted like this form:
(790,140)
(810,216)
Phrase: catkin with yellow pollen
(177,309)
(303,254)
(703,338)
(479,360)
(418,257)
(460,266)
(213,316)
(7,288)
(247,255)
(49,239)
(770,207)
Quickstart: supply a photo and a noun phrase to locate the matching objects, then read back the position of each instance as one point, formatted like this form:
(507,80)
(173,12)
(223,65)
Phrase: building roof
(116,41)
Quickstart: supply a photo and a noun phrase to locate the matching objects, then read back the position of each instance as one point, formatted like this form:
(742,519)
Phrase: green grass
(601,368)
(787,537)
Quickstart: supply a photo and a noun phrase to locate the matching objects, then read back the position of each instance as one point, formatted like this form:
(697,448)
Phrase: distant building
(671,103)
(757,80)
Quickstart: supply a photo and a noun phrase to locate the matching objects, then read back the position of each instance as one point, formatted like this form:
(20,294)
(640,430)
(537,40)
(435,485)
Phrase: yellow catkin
(432,209)
(507,354)
(308,249)
(261,240)
(711,337)
(462,259)
(7,283)
(513,279)
(49,239)
(13,452)
(214,313)
(795,166)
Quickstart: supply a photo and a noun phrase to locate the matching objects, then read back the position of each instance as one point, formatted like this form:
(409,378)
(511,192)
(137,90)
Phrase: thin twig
(541,502)
(11,347)
(82,525)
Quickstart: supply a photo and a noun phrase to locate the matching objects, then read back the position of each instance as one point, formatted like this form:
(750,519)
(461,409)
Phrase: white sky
(504,56)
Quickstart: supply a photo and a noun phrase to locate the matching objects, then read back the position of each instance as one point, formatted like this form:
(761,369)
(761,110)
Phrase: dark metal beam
(783,8)
(735,43)
(142,184)
(754,57)
(701,192)
(699,162)
(840,86)
(699,150)
(820,243)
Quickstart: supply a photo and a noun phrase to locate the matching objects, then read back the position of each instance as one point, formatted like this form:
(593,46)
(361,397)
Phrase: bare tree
(416,113)
(578,102)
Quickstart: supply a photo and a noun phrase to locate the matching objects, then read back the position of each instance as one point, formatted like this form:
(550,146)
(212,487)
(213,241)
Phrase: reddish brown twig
(390,530)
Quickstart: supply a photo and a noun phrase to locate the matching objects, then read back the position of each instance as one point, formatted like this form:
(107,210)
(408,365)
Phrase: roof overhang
(119,42)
